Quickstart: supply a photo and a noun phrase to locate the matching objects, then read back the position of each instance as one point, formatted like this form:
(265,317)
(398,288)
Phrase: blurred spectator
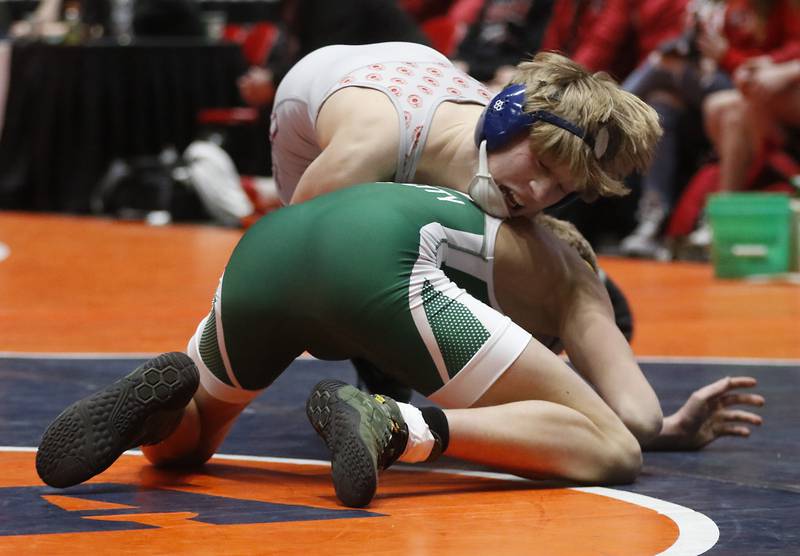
(96,13)
(47,13)
(755,130)
(612,35)
(150,17)
(424,10)
(682,73)
(310,24)
(505,32)
(445,23)
(744,122)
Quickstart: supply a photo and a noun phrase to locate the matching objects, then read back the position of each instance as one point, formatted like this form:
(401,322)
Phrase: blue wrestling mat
(749,487)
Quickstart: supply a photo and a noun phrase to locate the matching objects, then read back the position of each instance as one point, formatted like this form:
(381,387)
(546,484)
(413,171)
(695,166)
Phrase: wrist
(671,437)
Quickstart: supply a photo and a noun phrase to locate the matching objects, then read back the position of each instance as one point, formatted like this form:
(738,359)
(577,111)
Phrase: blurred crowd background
(128,107)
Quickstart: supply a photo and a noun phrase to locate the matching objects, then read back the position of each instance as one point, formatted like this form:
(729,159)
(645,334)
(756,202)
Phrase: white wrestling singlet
(414,77)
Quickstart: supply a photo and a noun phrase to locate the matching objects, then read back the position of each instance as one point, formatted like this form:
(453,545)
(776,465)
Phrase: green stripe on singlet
(458,333)
(209,350)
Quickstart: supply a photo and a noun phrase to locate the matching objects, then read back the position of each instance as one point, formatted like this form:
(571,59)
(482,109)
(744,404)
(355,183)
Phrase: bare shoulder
(542,274)
(531,248)
(358,133)
(529,271)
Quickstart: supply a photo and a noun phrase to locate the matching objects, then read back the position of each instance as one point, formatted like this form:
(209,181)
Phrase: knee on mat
(623,462)
(619,461)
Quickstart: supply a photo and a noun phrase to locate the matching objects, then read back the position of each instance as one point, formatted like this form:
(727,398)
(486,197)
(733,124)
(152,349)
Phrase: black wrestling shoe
(141,408)
(364,433)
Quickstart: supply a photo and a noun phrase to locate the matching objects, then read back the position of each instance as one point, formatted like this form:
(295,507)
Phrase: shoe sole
(88,436)
(354,471)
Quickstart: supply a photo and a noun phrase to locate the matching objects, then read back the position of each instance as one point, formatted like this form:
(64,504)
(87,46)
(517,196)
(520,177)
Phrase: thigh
(243,344)
(539,374)
(716,106)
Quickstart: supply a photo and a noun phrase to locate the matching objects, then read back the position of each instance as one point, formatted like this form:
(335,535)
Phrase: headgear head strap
(505,117)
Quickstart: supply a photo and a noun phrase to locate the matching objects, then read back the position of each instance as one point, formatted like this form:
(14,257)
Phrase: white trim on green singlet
(473,254)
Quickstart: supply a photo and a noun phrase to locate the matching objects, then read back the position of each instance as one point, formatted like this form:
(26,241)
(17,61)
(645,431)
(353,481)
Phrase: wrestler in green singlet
(368,272)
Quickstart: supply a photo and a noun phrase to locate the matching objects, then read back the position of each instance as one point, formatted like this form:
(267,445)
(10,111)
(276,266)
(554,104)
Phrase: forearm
(636,404)
(331,171)
(612,369)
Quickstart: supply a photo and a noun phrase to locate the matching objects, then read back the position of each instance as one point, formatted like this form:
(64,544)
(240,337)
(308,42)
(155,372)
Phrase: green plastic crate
(752,233)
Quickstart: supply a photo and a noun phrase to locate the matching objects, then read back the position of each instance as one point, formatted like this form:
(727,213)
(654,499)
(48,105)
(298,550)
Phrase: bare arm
(601,355)
(546,287)
(341,164)
(357,130)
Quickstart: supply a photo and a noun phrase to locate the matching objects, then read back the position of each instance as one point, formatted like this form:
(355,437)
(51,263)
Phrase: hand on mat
(706,415)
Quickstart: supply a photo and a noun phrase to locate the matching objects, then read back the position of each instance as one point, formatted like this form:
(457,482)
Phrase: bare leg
(540,419)
(739,141)
(204,425)
(714,107)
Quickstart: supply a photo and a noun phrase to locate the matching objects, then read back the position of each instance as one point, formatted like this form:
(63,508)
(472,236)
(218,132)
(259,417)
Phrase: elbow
(643,423)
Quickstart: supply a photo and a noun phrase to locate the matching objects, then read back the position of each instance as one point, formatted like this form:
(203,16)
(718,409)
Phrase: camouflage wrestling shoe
(365,435)
(141,408)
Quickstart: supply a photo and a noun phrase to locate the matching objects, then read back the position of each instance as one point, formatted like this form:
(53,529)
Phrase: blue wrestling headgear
(505,117)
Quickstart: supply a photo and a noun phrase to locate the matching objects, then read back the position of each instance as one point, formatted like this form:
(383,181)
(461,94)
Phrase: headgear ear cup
(503,118)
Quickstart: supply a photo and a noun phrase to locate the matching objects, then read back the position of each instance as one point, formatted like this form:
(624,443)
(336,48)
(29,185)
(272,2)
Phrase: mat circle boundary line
(697,533)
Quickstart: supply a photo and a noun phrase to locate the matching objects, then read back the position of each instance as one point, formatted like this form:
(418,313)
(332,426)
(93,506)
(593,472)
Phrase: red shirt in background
(748,36)
(612,35)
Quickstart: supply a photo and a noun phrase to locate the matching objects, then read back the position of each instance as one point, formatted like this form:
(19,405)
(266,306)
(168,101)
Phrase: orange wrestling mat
(248,505)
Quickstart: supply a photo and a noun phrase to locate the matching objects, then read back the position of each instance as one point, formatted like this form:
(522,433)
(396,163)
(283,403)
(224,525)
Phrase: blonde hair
(556,84)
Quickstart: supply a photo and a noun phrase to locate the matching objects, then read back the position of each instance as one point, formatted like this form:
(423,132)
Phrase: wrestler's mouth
(511,200)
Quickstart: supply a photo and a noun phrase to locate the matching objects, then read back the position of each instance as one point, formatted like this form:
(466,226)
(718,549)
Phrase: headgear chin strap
(505,117)
(484,190)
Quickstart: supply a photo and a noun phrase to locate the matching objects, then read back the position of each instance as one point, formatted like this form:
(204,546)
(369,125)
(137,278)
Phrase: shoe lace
(393,435)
